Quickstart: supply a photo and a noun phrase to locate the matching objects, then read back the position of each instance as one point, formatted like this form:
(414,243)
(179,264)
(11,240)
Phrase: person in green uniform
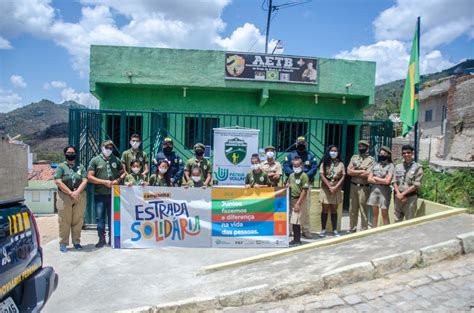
(381,177)
(135,178)
(406,183)
(298,182)
(71,179)
(196,178)
(161,178)
(135,153)
(202,162)
(104,172)
(256,177)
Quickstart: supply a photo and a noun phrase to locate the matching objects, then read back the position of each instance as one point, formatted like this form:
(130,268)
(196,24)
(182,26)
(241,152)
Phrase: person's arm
(62,186)
(208,180)
(353,172)
(302,197)
(323,176)
(367,171)
(314,166)
(187,171)
(341,181)
(97,181)
(146,168)
(80,189)
(287,168)
(180,172)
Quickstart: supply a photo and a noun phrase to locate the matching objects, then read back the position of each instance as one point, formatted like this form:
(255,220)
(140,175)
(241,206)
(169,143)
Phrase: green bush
(454,189)
(52,156)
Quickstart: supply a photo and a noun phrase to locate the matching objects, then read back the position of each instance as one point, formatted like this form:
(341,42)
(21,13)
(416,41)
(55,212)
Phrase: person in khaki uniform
(406,183)
(202,162)
(358,169)
(299,184)
(380,177)
(272,167)
(135,153)
(332,172)
(256,177)
(71,179)
(135,178)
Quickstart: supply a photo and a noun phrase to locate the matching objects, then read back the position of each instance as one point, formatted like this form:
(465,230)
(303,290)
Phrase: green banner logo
(235,150)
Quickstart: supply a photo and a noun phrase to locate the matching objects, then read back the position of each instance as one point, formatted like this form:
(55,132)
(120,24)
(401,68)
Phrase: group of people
(371,183)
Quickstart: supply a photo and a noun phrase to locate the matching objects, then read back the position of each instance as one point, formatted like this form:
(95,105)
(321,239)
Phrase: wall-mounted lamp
(343,100)
(348,85)
(129,75)
(315,98)
(184,91)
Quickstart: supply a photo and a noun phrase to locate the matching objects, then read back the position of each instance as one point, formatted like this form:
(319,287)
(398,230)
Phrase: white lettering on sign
(278,61)
(288,62)
(269,61)
(258,61)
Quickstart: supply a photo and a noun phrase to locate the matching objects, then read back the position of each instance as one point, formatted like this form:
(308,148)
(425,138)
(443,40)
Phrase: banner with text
(232,151)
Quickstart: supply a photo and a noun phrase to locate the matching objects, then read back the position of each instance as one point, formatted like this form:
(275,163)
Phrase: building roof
(41,185)
(41,172)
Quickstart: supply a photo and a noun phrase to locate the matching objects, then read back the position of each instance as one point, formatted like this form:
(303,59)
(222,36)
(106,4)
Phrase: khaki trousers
(358,198)
(405,210)
(70,217)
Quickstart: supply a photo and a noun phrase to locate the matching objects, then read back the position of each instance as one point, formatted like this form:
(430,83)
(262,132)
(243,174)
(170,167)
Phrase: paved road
(443,287)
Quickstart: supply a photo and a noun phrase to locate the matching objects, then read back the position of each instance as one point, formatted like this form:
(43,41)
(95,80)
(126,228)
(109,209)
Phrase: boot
(101,242)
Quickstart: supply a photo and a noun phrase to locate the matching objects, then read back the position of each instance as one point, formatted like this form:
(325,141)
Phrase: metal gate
(88,128)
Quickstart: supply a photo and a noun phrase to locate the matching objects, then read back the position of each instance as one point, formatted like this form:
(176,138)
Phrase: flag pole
(416,124)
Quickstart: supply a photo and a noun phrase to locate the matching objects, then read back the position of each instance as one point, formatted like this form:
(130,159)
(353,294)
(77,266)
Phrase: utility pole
(269,16)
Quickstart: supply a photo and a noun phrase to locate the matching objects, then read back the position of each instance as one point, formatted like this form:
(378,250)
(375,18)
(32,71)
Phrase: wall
(46,203)
(13,170)
(434,103)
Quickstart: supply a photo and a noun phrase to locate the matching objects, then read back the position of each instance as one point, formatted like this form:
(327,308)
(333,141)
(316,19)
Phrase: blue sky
(44,44)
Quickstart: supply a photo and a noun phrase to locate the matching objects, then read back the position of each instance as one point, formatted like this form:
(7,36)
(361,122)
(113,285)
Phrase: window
(35,196)
(428,115)
(199,129)
(288,132)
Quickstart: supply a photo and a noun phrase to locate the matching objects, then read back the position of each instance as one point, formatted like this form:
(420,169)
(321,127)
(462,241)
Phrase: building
(40,194)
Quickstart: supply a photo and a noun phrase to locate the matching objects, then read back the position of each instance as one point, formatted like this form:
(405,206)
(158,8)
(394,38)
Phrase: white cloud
(9,101)
(246,38)
(4,44)
(442,21)
(57,84)
(84,98)
(392,57)
(17,81)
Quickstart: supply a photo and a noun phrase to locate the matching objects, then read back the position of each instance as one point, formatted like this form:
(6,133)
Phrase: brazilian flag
(409,107)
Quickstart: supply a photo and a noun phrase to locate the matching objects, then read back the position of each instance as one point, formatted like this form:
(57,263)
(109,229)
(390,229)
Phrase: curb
(350,274)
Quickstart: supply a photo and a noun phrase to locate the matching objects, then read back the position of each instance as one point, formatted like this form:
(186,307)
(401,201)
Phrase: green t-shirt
(192,183)
(71,176)
(156,180)
(260,178)
(106,169)
(297,183)
(135,179)
(204,164)
(129,155)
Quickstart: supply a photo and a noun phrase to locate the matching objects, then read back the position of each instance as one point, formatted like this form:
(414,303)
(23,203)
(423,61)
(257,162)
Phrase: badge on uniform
(205,167)
(141,159)
(114,165)
(298,181)
(307,162)
(261,178)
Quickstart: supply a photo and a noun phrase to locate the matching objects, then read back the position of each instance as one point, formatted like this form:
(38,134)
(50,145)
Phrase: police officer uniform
(176,168)
(273,167)
(310,167)
(360,189)
(380,195)
(203,163)
(407,175)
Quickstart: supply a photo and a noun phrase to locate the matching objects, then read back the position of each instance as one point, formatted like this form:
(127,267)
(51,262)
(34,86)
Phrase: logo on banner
(235,65)
(222,174)
(235,150)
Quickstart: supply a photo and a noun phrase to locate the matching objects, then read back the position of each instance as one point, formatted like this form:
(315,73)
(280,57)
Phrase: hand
(74,194)
(109,184)
(186,186)
(400,196)
(116,182)
(297,207)
(128,184)
(332,189)
(247,186)
(204,186)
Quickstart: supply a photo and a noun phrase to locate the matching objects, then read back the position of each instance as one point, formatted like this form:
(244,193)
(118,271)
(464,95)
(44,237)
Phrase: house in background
(40,194)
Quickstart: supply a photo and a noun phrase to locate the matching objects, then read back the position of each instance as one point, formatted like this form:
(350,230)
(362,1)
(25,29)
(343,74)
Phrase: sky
(44,44)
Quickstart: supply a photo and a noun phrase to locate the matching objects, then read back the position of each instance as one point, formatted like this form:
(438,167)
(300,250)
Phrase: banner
(249,217)
(232,151)
(145,217)
(271,67)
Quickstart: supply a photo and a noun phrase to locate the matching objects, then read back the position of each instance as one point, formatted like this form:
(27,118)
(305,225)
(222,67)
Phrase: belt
(361,185)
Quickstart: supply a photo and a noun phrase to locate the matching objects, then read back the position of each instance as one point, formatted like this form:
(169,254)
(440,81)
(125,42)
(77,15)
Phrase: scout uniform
(192,183)
(360,190)
(70,211)
(260,178)
(272,167)
(130,154)
(157,180)
(333,173)
(135,179)
(298,183)
(407,175)
(204,164)
(380,194)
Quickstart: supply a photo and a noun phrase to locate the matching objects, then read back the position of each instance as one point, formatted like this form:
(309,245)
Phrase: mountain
(43,125)
(388,97)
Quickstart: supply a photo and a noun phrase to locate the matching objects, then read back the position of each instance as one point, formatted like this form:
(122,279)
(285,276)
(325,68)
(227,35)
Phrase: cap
(269,148)
(199,145)
(301,139)
(386,149)
(167,139)
(107,142)
(364,142)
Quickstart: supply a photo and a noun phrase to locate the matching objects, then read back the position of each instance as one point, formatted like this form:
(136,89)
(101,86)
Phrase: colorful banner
(249,217)
(232,151)
(271,67)
(146,217)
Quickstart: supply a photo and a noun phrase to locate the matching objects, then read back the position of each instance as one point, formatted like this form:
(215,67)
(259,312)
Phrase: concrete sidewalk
(106,280)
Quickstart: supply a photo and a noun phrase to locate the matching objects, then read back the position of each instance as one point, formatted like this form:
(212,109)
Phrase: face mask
(297,170)
(168,150)
(70,157)
(363,150)
(301,148)
(199,152)
(106,152)
(135,144)
(196,178)
(162,170)
(270,154)
(333,154)
(136,170)
(383,158)
(255,167)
